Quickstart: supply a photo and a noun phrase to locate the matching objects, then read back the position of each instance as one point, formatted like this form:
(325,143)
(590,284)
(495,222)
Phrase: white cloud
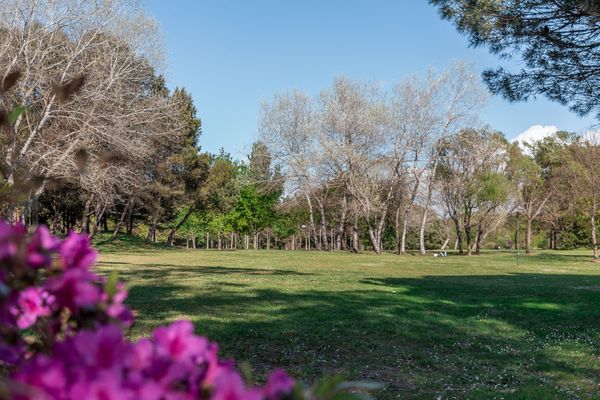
(535,133)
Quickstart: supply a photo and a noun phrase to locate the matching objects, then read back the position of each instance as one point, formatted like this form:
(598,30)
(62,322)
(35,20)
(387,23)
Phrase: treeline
(414,160)
(95,142)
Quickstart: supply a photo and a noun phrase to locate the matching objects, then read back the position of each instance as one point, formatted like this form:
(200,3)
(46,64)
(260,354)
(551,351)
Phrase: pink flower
(10,237)
(141,355)
(32,303)
(278,384)
(76,252)
(230,386)
(106,386)
(116,309)
(104,349)
(75,288)
(40,247)
(178,341)
(45,377)
(91,358)
(215,368)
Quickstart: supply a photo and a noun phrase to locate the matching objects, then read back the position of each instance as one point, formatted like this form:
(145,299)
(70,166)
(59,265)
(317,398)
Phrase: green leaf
(111,283)
(246,370)
(16,113)
(328,386)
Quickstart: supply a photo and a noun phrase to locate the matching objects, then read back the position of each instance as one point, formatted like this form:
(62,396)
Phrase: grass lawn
(429,328)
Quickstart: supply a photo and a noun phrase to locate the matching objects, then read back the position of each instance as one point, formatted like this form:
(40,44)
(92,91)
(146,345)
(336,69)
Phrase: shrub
(62,335)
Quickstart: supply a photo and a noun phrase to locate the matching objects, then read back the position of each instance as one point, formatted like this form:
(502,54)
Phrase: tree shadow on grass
(231,270)
(558,258)
(166,271)
(453,336)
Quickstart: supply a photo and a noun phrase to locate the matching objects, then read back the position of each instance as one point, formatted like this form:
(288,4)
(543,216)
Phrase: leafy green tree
(530,187)
(187,165)
(253,212)
(552,156)
(221,189)
(194,226)
(470,163)
(585,183)
(285,225)
(493,191)
(261,188)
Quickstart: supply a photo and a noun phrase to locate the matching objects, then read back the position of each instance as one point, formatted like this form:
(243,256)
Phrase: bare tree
(531,189)
(586,180)
(424,112)
(471,174)
(355,140)
(287,127)
(116,115)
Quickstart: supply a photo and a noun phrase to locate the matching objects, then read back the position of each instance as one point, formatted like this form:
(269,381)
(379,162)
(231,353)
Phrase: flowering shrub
(61,335)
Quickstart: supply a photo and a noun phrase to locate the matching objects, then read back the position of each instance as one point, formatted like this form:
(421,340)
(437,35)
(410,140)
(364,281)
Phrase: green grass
(455,327)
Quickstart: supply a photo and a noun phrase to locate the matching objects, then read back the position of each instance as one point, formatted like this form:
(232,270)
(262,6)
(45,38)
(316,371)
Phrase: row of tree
(396,160)
(94,141)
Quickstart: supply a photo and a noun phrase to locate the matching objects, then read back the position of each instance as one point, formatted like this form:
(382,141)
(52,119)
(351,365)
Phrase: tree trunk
(171,237)
(479,238)
(293,242)
(193,241)
(128,205)
(104,223)
(468,230)
(340,243)
(332,238)
(469,239)
(98,221)
(458,229)
(445,243)
(313,229)
(152,230)
(376,234)
(355,235)
(422,249)
(130,220)
(324,240)
(528,235)
(34,208)
(85,220)
(594,237)
(375,240)
(404,232)
(398,231)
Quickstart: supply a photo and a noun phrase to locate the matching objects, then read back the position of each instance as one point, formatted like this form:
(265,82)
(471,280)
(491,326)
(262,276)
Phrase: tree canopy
(558,43)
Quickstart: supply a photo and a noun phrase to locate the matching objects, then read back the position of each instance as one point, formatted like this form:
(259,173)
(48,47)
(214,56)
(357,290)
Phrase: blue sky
(232,55)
